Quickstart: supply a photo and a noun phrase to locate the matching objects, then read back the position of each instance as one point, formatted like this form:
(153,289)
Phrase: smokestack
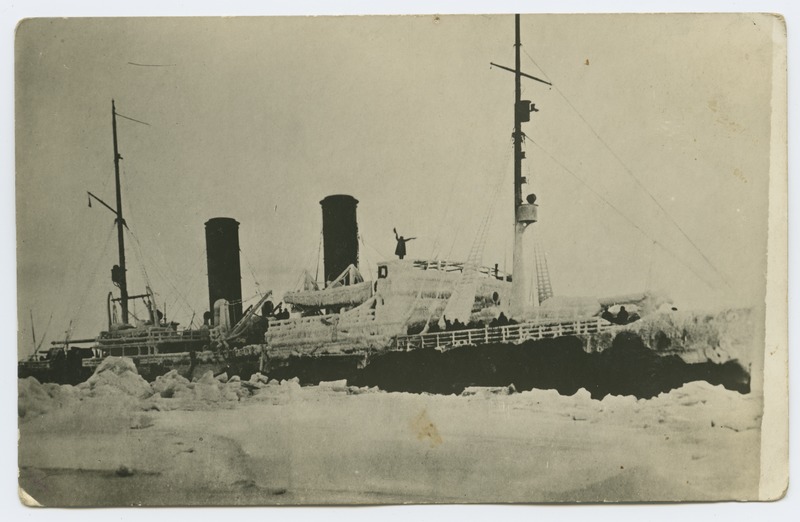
(224,272)
(339,234)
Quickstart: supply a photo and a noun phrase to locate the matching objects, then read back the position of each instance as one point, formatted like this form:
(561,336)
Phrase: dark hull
(194,364)
(627,367)
(62,369)
(187,364)
(55,372)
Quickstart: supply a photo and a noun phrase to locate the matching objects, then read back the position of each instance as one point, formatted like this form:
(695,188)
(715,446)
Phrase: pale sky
(258,119)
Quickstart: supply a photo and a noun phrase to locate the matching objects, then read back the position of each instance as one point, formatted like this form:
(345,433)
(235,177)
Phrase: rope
(447,207)
(636,179)
(366,257)
(44,336)
(459,306)
(138,251)
(319,255)
(181,302)
(485,224)
(623,215)
(185,304)
(252,273)
(650,268)
(77,317)
(129,209)
(193,270)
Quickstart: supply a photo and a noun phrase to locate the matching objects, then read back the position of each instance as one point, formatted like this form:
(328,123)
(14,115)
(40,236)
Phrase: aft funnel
(339,234)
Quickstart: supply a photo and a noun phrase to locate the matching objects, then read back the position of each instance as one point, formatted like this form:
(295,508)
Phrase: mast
(525,212)
(33,331)
(118,272)
(519,299)
(517,122)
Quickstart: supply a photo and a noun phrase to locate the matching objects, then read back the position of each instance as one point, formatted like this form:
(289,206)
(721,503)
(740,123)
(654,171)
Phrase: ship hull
(603,363)
(566,364)
(55,372)
(150,367)
(563,364)
(60,368)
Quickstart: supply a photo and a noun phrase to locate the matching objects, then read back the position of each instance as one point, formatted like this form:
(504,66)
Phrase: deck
(513,334)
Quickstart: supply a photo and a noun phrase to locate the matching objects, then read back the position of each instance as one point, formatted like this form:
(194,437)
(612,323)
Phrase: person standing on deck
(400,251)
(622,316)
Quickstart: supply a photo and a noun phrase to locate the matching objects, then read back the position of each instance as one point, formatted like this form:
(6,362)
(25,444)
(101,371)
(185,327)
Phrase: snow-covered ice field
(117,440)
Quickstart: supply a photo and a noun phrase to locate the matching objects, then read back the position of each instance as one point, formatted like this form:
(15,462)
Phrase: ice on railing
(501,334)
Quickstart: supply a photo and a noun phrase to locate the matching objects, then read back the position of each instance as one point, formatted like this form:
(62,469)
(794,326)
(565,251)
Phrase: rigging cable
(194,271)
(300,281)
(618,211)
(635,178)
(82,301)
(319,255)
(139,254)
(184,302)
(381,255)
(447,206)
(650,268)
(252,273)
(366,258)
(168,277)
(442,267)
(41,341)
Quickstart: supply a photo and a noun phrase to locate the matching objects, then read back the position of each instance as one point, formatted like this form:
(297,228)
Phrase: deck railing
(513,334)
(302,325)
(455,266)
(154,336)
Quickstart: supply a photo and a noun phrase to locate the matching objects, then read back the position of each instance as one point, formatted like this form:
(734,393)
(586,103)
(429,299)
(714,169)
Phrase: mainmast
(525,212)
(118,272)
(518,154)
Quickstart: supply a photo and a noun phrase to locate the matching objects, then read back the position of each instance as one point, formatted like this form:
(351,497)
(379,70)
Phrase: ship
(423,325)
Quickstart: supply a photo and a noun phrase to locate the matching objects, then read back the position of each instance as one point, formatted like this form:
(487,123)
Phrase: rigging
(630,173)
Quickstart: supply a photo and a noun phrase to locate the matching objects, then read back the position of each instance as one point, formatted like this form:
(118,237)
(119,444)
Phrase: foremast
(118,272)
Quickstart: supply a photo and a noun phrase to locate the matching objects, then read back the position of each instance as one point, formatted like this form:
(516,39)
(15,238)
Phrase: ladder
(459,306)
(543,285)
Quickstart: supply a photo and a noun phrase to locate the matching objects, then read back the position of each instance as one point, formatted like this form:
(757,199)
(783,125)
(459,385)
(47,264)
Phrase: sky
(649,155)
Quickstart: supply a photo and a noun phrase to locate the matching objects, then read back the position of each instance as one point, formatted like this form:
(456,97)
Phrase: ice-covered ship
(421,325)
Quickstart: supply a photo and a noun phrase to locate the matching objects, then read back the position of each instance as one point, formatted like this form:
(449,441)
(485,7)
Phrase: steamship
(344,324)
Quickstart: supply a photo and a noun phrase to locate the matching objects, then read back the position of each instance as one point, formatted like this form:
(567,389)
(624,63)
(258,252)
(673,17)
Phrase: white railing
(455,266)
(351,319)
(515,333)
(165,335)
(315,335)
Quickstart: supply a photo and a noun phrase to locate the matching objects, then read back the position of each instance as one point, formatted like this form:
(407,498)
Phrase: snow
(270,442)
(117,376)
(698,337)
